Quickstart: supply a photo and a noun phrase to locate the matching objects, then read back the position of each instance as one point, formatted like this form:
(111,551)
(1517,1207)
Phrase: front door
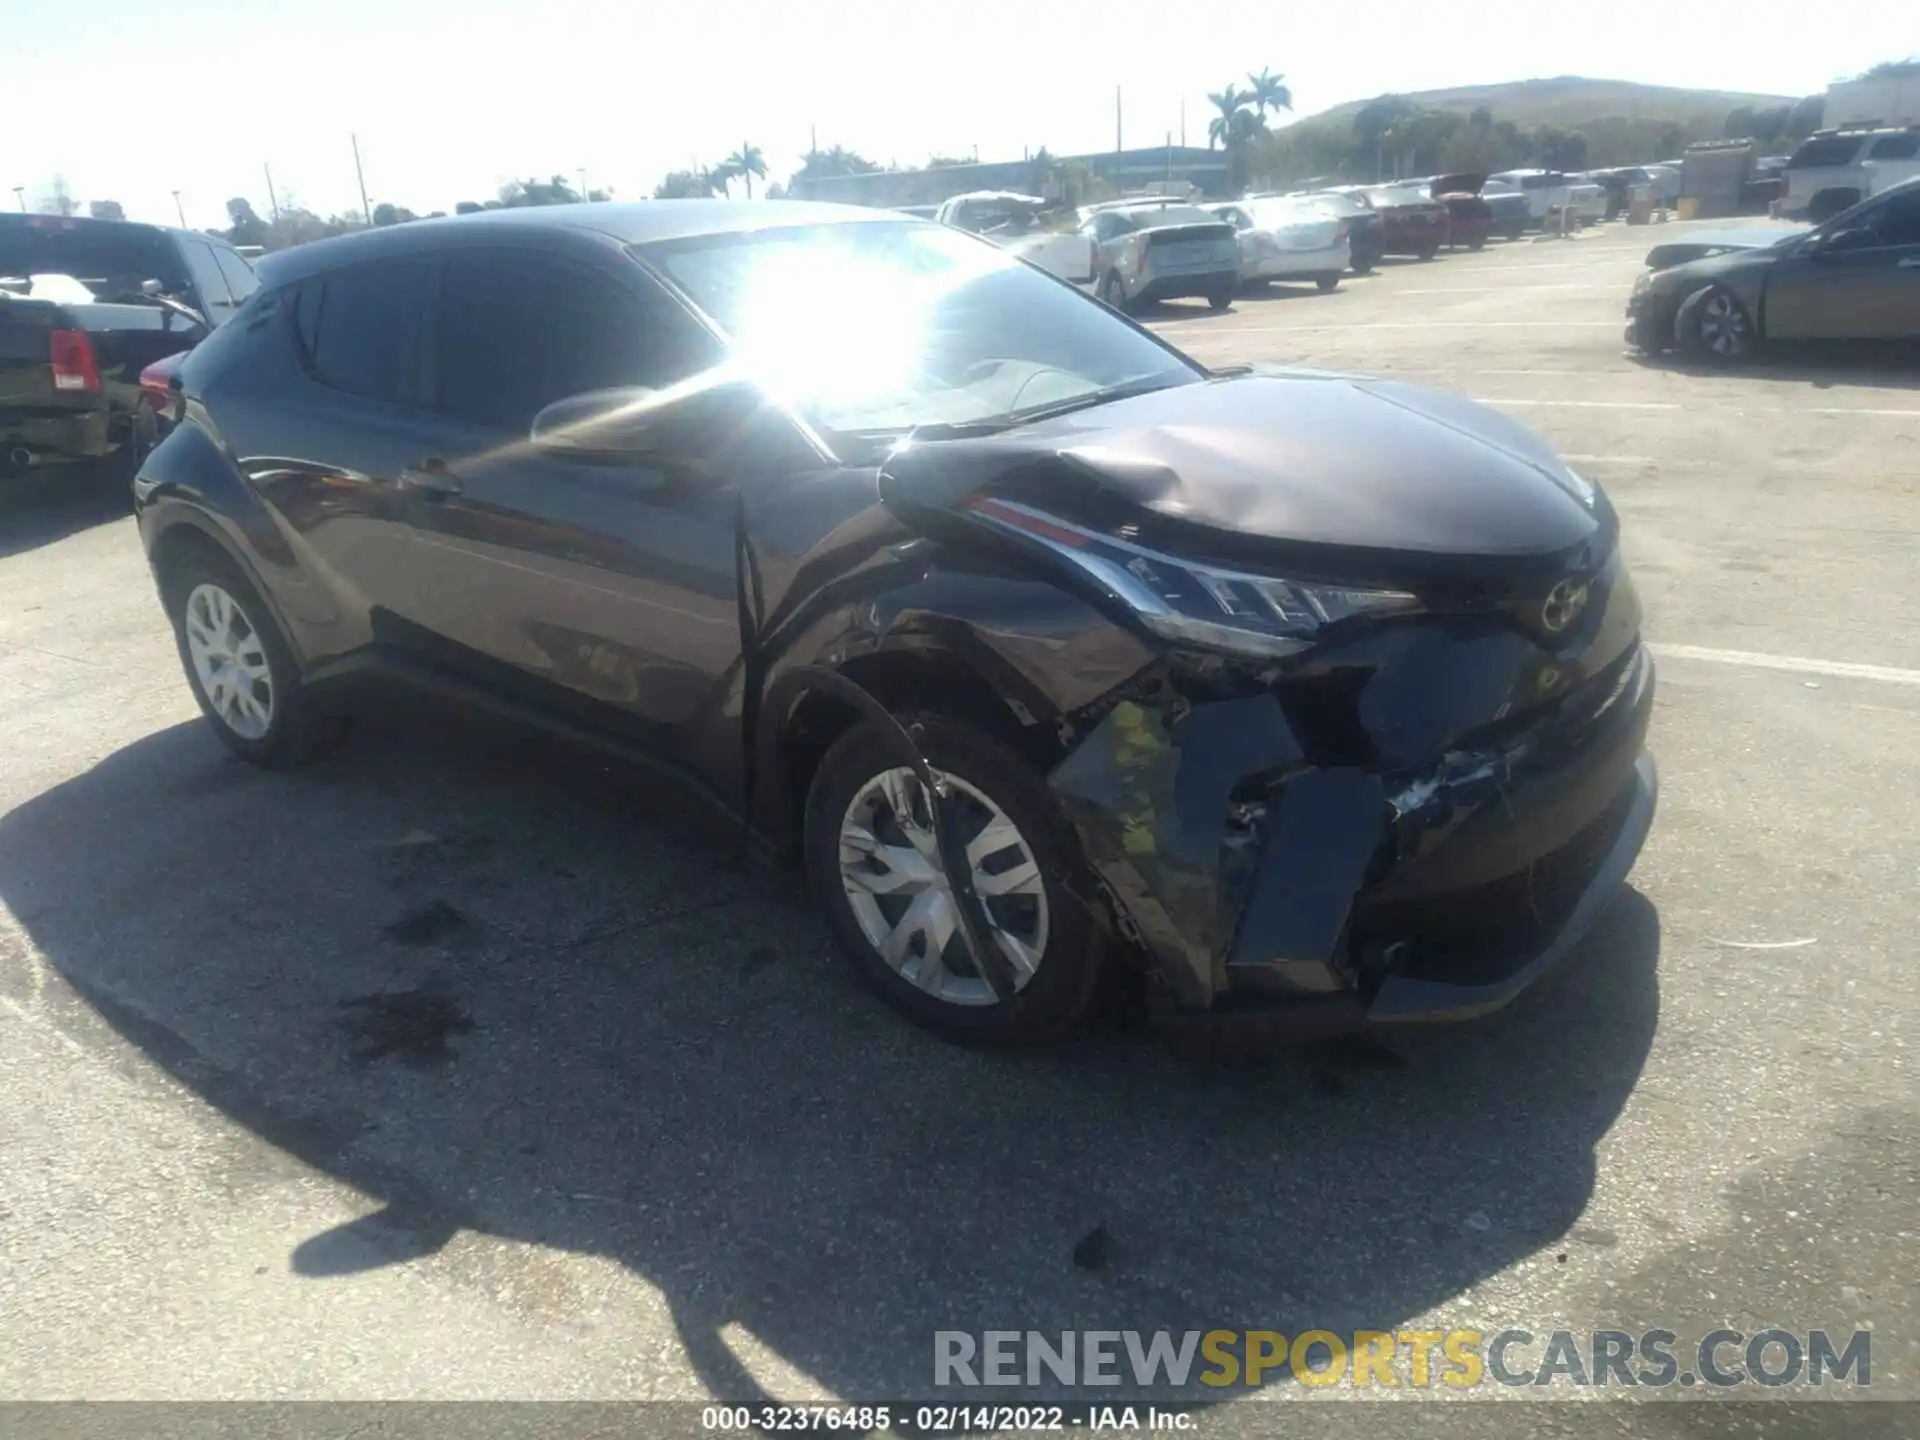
(605,588)
(1868,291)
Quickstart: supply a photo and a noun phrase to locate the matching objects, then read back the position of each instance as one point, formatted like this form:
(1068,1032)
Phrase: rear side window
(1829,150)
(519,330)
(359,329)
(1895,147)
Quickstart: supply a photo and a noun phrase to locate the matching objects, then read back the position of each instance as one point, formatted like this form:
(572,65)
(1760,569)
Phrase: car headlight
(1202,604)
(1643,282)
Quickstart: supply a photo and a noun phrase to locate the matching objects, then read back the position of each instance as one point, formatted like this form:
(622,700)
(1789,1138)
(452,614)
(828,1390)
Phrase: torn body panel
(1268,832)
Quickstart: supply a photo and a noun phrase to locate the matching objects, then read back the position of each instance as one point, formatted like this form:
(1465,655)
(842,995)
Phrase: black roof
(633,224)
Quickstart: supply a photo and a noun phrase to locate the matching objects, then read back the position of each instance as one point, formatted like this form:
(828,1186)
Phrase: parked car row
(1147,248)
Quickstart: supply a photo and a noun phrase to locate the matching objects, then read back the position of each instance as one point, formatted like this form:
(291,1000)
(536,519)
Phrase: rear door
(606,588)
(1868,293)
(327,448)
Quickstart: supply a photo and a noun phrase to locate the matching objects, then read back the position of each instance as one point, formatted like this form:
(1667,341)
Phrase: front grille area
(1481,935)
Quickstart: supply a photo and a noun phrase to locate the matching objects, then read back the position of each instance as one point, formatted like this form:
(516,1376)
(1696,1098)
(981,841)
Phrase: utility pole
(1183,122)
(813,139)
(1117,146)
(179,210)
(20,194)
(273,199)
(361,176)
(1169,157)
(583,182)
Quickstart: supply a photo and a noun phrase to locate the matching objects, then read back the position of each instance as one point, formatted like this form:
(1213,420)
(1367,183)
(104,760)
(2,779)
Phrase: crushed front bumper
(1275,892)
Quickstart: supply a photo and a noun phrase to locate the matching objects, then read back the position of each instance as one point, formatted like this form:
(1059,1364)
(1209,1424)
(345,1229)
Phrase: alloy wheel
(1723,325)
(901,899)
(229,660)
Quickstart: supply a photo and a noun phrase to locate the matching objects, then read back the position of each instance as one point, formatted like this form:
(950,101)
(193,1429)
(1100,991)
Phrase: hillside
(1570,101)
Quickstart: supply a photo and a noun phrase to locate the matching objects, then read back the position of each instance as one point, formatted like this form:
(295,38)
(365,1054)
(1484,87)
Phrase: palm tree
(744,164)
(1229,102)
(1269,92)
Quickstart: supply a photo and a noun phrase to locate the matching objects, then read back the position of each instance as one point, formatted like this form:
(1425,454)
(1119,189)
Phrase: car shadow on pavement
(45,506)
(506,987)
(1888,365)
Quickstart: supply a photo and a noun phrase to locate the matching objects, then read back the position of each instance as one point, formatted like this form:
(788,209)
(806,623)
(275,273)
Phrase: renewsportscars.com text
(1459,1359)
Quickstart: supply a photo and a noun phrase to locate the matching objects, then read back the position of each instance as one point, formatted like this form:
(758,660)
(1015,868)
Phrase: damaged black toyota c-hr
(1320,699)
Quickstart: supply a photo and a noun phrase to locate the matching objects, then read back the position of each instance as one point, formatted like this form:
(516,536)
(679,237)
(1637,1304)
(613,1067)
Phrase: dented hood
(1298,456)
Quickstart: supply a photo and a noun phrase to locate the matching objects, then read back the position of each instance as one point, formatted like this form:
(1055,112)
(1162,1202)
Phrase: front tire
(1220,299)
(1327,283)
(1712,325)
(874,871)
(240,670)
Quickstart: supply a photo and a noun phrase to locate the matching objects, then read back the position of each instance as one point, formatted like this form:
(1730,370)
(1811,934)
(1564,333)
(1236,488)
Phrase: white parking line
(1202,327)
(1672,405)
(1792,664)
(1502,289)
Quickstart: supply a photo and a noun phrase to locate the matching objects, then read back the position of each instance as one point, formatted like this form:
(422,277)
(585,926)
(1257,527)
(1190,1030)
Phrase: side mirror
(604,426)
(682,427)
(1857,237)
(152,287)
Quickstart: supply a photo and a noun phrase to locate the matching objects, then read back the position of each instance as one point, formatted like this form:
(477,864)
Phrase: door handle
(430,478)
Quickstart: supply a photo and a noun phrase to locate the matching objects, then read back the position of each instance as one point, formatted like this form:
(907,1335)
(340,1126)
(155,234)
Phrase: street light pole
(179,209)
(20,194)
(361,176)
(273,200)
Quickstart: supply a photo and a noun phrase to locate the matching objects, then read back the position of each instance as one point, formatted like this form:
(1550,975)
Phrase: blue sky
(449,100)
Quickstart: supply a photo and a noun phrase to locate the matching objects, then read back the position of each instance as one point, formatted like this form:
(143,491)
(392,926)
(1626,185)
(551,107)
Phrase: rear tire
(1221,299)
(1478,242)
(990,776)
(239,668)
(1327,283)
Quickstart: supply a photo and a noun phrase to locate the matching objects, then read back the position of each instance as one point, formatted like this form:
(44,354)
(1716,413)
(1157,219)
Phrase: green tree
(1268,92)
(385,214)
(516,194)
(467,207)
(1806,115)
(247,227)
(1739,122)
(696,184)
(744,164)
(1230,104)
(833,164)
(1379,122)
(106,210)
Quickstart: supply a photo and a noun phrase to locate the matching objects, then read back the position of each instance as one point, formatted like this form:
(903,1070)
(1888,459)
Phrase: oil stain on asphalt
(415,1027)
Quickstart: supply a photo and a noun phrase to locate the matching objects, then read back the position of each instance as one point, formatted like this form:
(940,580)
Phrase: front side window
(360,328)
(519,331)
(947,329)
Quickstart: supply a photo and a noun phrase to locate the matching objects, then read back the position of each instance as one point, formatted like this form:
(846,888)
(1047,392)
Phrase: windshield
(110,261)
(1149,216)
(1336,204)
(878,327)
(1271,213)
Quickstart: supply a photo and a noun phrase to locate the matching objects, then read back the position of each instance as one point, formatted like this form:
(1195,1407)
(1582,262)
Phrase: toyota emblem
(1563,605)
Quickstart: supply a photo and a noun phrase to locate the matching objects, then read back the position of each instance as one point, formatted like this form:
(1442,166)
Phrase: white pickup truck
(1015,222)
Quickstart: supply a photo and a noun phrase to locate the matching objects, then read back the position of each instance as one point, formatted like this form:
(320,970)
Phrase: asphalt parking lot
(463,1066)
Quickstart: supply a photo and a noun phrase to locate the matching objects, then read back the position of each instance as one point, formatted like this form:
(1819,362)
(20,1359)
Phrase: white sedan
(1288,238)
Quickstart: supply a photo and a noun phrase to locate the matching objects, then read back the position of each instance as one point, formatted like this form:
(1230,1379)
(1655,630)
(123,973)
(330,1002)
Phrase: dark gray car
(1718,296)
(1317,701)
